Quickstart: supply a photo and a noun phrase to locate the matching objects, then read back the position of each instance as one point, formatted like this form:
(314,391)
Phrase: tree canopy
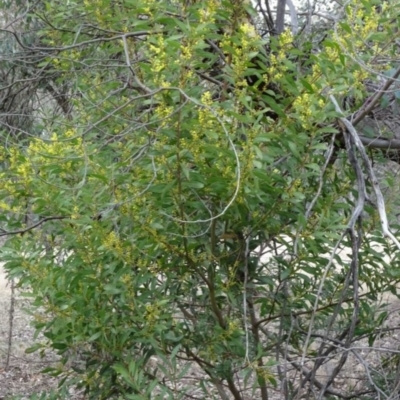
(177,181)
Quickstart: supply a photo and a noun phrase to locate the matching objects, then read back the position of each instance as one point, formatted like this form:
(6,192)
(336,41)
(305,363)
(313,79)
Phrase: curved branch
(77,45)
(29,228)
(380,202)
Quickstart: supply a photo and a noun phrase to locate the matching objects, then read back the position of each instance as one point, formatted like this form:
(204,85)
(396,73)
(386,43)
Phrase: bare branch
(77,45)
(380,143)
(367,162)
(280,17)
(293,17)
(372,101)
(318,14)
(29,228)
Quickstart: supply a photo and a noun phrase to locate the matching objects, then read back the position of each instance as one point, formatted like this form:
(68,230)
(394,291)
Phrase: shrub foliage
(177,192)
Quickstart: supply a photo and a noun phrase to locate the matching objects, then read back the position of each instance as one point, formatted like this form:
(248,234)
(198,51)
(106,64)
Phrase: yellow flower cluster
(164,112)
(152,315)
(277,66)
(159,58)
(225,170)
(243,51)
(75,213)
(23,173)
(67,147)
(207,14)
(211,350)
(365,22)
(248,154)
(42,161)
(286,38)
(362,23)
(360,75)
(185,58)
(206,117)
(186,52)
(97,10)
(302,105)
(4,206)
(206,98)
(113,243)
(127,279)
(194,145)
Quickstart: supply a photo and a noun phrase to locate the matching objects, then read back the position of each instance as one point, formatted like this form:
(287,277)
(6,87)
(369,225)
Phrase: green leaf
(194,185)
(35,347)
(346,27)
(273,104)
(307,85)
(94,336)
(385,101)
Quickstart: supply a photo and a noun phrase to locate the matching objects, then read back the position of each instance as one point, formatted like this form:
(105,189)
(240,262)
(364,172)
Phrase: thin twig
(371,102)
(22,231)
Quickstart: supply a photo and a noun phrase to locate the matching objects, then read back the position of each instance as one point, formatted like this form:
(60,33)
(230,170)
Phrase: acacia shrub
(166,184)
